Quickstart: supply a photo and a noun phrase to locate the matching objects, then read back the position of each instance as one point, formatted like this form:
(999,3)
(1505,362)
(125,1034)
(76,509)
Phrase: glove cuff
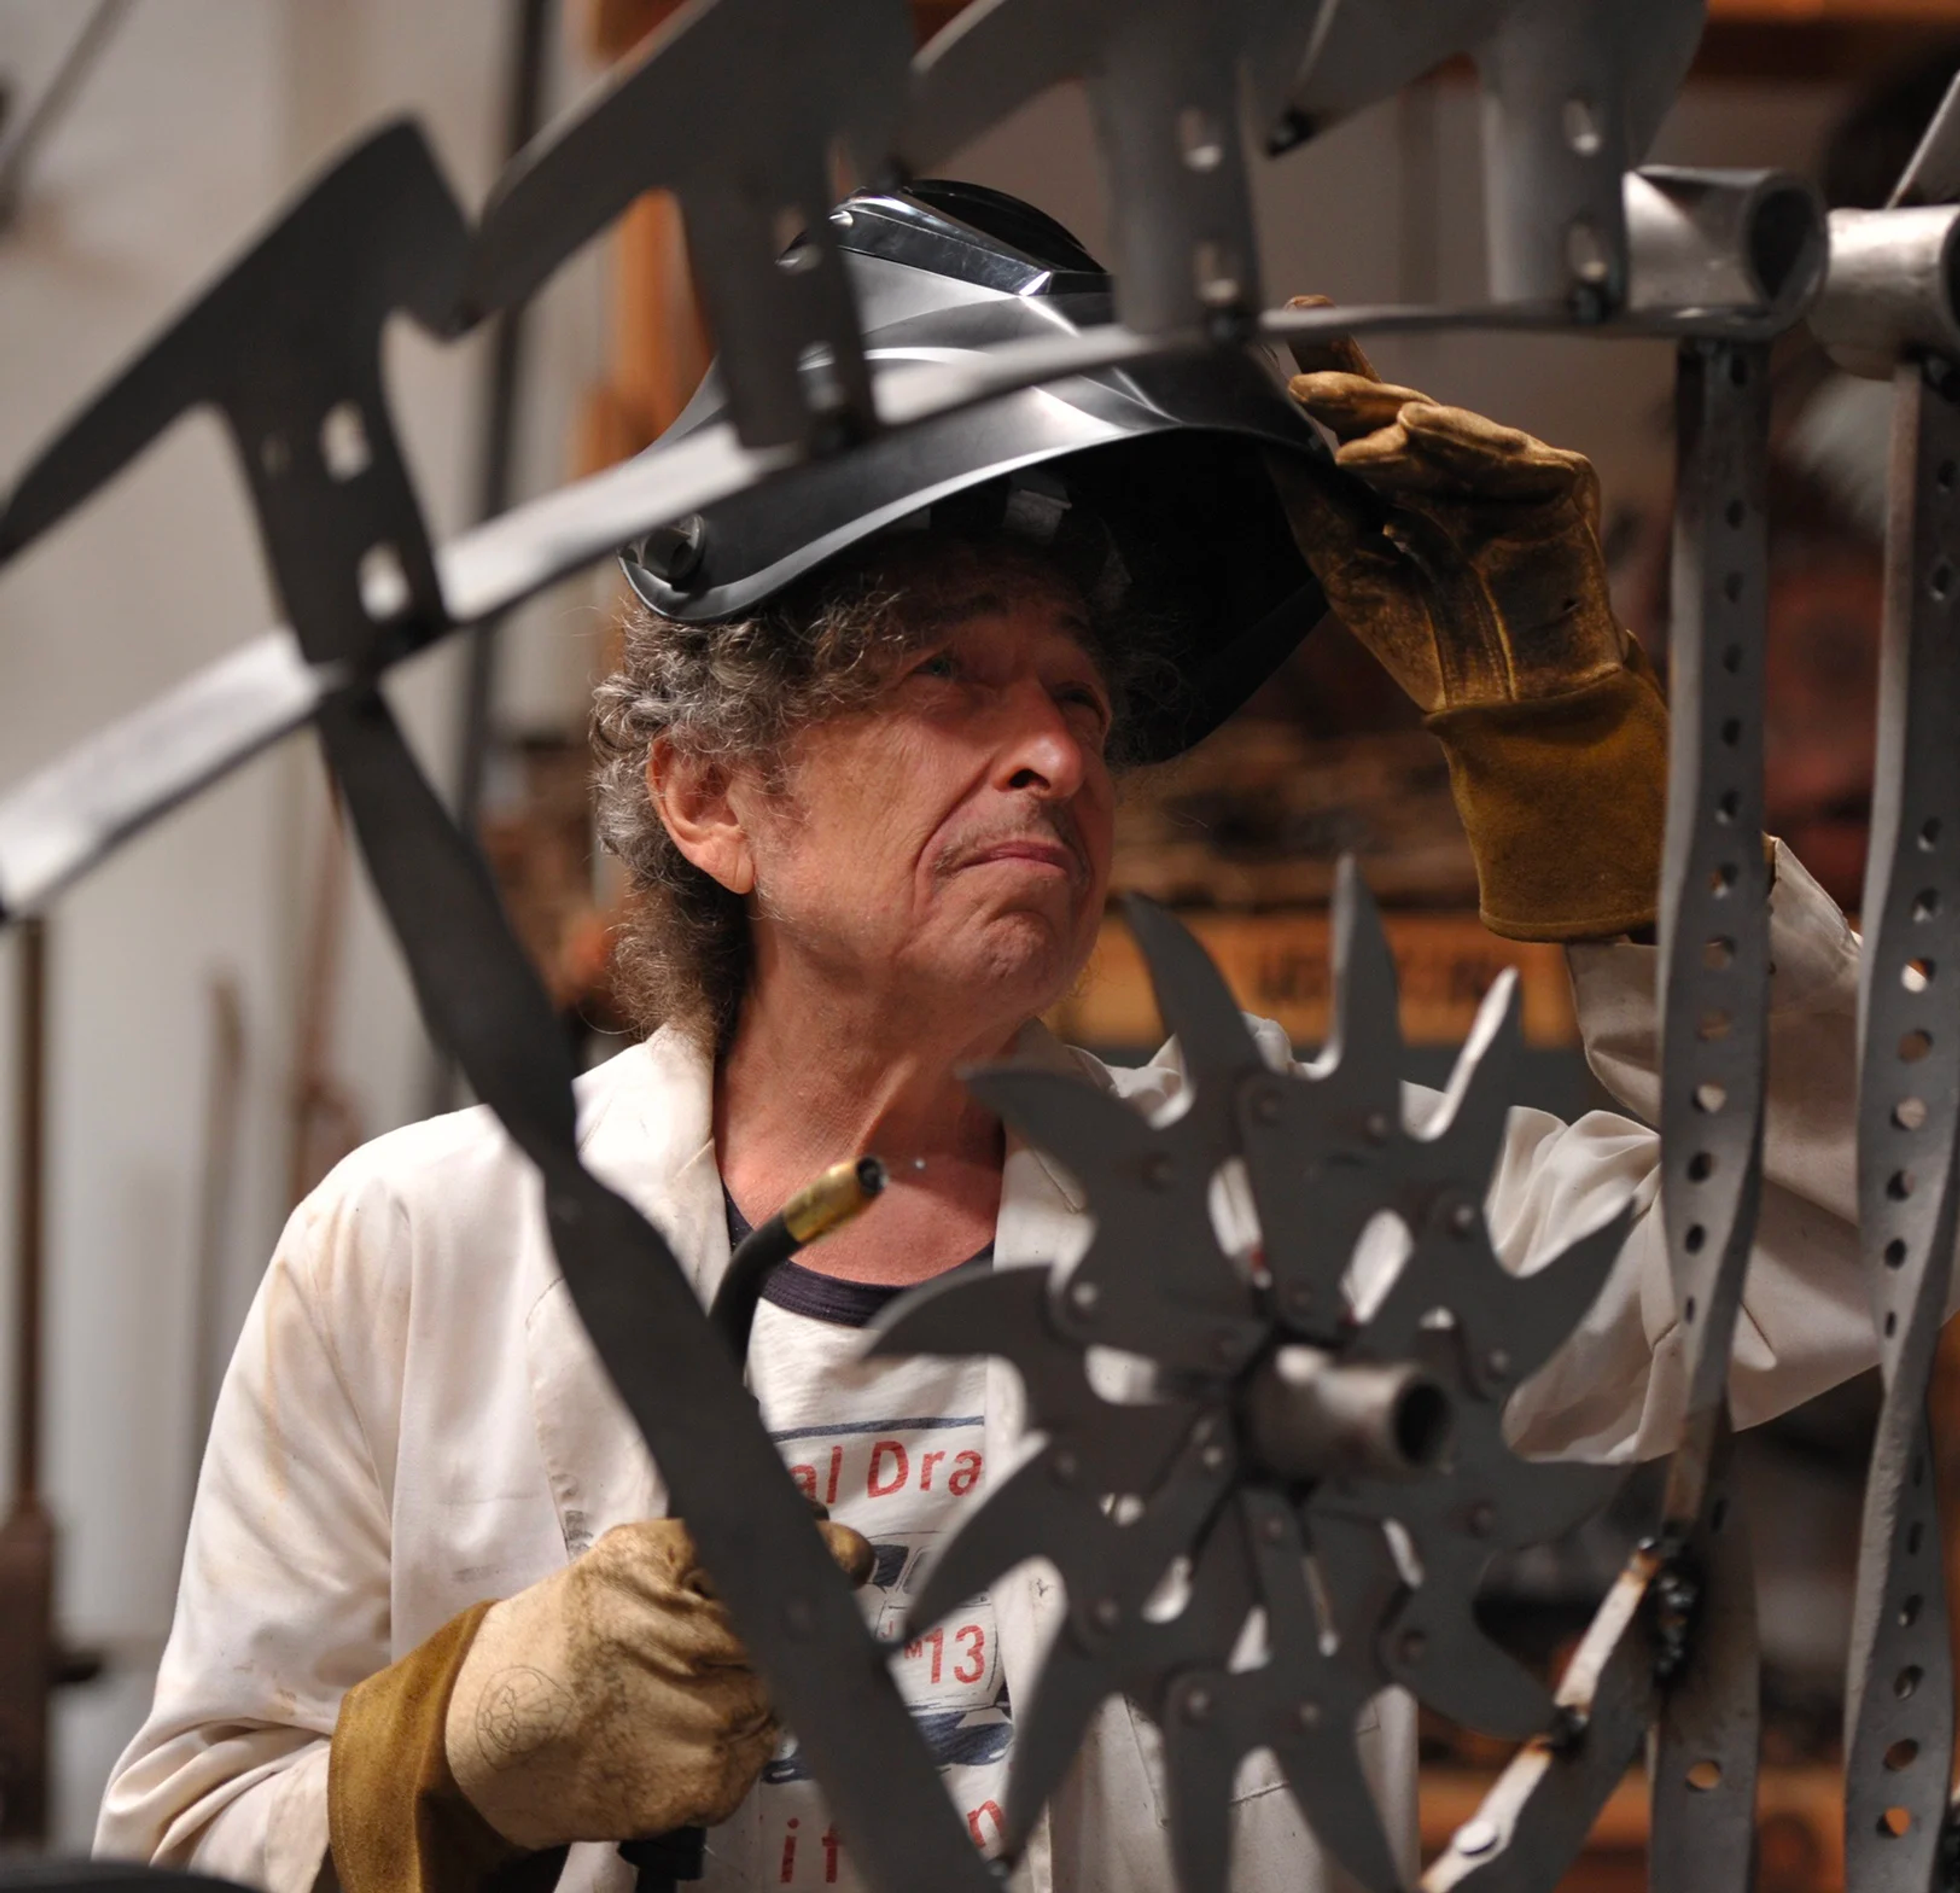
(1563,799)
(396,1820)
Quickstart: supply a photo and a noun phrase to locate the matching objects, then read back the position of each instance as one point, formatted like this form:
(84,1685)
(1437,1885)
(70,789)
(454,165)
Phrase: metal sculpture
(1280,1438)
(1284,1429)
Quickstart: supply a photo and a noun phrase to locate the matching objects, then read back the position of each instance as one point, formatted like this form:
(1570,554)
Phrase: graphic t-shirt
(895,1449)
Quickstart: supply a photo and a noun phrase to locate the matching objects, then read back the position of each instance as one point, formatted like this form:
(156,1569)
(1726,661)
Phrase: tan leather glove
(610,1700)
(1484,594)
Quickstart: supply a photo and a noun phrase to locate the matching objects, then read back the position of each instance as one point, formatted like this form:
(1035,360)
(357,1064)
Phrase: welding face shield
(1149,481)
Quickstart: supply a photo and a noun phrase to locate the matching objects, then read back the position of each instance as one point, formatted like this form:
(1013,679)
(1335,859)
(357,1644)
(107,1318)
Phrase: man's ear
(690,794)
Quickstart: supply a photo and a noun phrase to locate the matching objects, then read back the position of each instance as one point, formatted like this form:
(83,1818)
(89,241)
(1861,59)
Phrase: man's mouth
(1042,855)
(1048,854)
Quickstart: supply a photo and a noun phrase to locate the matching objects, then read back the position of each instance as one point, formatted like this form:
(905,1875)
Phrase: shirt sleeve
(1616,1390)
(284,1602)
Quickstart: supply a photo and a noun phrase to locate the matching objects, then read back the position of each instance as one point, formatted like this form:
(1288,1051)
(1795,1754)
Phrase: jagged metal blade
(1144,1659)
(1316,1147)
(1360,1583)
(1073,1684)
(1034,1515)
(1465,1137)
(1365,1042)
(1432,1644)
(1004,1312)
(1115,1448)
(1487,1500)
(1196,1006)
(1541,1310)
(1508,1325)
(1093,1134)
(1303,1703)
(1154,1280)
(1324,1770)
(1200,1767)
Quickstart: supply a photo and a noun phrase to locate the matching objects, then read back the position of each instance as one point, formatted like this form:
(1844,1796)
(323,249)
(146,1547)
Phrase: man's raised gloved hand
(609,1701)
(1483,593)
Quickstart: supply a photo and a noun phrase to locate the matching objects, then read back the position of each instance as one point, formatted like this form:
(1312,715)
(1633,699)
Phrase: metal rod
(31,1033)
(523,111)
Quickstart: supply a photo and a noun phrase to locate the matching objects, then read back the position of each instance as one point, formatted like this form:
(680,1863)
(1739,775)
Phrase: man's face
(949,843)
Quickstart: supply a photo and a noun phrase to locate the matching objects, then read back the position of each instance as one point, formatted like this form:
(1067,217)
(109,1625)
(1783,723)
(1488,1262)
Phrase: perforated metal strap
(1714,1022)
(1899,1690)
(1680,1596)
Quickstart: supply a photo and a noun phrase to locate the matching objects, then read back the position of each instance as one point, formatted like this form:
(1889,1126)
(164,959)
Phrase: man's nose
(1041,752)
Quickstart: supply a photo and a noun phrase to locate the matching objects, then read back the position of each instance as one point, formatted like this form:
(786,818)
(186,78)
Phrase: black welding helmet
(1166,457)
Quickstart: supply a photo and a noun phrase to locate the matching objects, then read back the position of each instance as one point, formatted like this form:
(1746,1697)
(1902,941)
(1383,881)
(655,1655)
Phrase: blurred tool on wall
(33,1659)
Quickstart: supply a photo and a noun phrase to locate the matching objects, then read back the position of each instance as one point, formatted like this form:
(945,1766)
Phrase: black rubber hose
(818,1207)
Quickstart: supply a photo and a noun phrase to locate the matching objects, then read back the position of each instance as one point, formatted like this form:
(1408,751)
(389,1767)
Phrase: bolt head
(1307,1713)
(1463,1218)
(1105,1613)
(1196,1706)
(1082,1296)
(1498,1362)
(1376,1126)
(1066,1467)
(1158,1170)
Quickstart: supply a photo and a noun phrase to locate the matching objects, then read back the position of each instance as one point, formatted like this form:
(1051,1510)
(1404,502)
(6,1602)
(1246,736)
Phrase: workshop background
(223,1014)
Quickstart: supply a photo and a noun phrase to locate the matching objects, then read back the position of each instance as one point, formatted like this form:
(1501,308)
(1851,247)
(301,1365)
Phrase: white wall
(204,114)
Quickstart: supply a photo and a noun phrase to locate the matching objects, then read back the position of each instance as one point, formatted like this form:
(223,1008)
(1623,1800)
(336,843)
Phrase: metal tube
(31,1134)
(1723,239)
(1310,1416)
(1893,289)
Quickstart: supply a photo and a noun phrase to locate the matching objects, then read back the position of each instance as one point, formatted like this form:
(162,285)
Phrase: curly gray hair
(737,689)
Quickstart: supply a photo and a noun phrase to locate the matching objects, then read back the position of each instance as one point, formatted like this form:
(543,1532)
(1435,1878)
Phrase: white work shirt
(414,1419)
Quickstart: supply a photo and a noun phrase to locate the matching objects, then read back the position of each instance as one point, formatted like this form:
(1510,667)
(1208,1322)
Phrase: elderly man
(433,1628)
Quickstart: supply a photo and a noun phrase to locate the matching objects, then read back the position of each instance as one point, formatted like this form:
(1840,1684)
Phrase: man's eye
(940,664)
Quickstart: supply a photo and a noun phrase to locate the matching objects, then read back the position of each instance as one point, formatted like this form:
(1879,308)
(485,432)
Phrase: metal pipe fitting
(1309,1416)
(1724,239)
(1893,289)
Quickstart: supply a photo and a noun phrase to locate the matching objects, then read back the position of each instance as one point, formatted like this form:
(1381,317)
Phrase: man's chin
(1024,957)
